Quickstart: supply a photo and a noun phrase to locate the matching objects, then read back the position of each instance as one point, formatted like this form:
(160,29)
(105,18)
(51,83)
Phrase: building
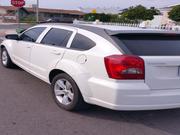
(164,11)
(161,20)
(167,8)
(9,14)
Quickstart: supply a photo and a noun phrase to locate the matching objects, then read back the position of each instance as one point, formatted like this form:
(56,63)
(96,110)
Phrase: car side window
(57,37)
(32,34)
(82,43)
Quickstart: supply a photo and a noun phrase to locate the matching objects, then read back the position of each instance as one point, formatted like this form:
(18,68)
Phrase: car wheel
(66,93)
(5,59)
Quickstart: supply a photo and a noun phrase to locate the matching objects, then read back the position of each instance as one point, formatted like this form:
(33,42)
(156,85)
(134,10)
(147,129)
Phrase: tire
(66,93)
(5,59)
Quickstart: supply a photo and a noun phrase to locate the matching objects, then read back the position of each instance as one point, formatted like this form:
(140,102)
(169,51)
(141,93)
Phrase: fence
(107,23)
(137,25)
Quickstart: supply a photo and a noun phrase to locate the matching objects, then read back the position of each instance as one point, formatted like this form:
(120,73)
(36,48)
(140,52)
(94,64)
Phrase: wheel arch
(76,72)
(53,73)
(2,46)
(8,45)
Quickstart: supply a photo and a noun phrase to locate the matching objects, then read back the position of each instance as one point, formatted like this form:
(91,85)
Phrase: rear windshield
(149,44)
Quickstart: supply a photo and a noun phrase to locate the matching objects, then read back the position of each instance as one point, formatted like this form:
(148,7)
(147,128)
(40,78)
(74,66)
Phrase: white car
(116,69)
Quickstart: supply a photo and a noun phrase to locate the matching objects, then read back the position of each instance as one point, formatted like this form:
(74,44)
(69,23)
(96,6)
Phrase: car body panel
(162,72)
(159,90)
(55,54)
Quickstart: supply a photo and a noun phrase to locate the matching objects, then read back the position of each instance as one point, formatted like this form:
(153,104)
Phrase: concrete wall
(2,11)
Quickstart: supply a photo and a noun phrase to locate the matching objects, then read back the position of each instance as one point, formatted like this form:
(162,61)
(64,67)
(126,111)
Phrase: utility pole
(37,11)
(18,17)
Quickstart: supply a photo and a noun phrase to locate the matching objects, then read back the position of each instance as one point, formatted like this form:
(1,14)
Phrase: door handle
(56,52)
(29,47)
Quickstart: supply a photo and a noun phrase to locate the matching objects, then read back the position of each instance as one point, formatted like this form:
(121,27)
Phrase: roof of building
(45,10)
(169,6)
(173,5)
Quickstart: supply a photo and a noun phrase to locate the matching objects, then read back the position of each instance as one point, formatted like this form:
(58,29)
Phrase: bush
(130,15)
(116,18)
(94,16)
(140,13)
(28,19)
(174,14)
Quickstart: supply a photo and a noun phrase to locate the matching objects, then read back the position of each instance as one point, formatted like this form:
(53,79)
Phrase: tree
(130,15)
(96,16)
(154,11)
(140,13)
(174,14)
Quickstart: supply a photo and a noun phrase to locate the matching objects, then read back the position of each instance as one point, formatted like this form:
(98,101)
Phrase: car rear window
(149,44)
(82,43)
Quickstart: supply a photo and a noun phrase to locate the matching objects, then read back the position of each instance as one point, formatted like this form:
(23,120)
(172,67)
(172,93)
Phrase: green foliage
(107,18)
(174,14)
(130,15)
(28,19)
(94,16)
(140,13)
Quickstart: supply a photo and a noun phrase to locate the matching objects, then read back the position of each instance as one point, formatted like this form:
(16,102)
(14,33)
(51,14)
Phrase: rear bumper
(136,95)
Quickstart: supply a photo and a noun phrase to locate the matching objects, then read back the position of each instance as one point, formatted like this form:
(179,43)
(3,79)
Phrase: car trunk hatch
(161,54)
(162,72)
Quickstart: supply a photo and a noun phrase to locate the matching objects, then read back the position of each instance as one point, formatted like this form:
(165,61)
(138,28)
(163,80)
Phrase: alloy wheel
(64,91)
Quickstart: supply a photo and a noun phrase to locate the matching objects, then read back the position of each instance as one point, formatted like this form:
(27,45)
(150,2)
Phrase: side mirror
(19,30)
(12,37)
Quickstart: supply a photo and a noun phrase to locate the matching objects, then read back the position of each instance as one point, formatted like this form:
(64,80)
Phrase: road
(13,26)
(8,28)
(27,108)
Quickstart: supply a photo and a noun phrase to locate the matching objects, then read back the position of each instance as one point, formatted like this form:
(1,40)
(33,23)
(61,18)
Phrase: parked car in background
(116,69)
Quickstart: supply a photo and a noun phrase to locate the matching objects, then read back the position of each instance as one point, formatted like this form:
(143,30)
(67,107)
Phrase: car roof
(99,31)
(103,30)
(73,26)
(107,31)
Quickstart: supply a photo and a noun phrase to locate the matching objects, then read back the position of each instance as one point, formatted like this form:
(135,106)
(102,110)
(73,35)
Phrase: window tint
(32,34)
(151,44)
(57,37)
(81,42)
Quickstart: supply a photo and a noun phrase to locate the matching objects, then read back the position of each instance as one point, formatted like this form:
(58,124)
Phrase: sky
(75,4)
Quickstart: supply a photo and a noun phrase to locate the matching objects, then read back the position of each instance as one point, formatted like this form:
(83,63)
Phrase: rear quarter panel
(92,66)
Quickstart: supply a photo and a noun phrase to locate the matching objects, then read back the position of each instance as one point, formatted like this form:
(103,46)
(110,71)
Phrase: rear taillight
(124,67)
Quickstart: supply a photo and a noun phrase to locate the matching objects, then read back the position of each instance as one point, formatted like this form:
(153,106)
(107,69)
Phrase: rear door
(51,48)
(161,53)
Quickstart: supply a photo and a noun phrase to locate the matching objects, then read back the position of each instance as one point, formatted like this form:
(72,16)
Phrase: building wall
(44,14)
(2,11)
(161,20)
(55,16)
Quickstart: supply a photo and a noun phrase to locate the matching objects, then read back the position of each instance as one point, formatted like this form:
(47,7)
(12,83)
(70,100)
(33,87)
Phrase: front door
(22,53)
(22,50)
